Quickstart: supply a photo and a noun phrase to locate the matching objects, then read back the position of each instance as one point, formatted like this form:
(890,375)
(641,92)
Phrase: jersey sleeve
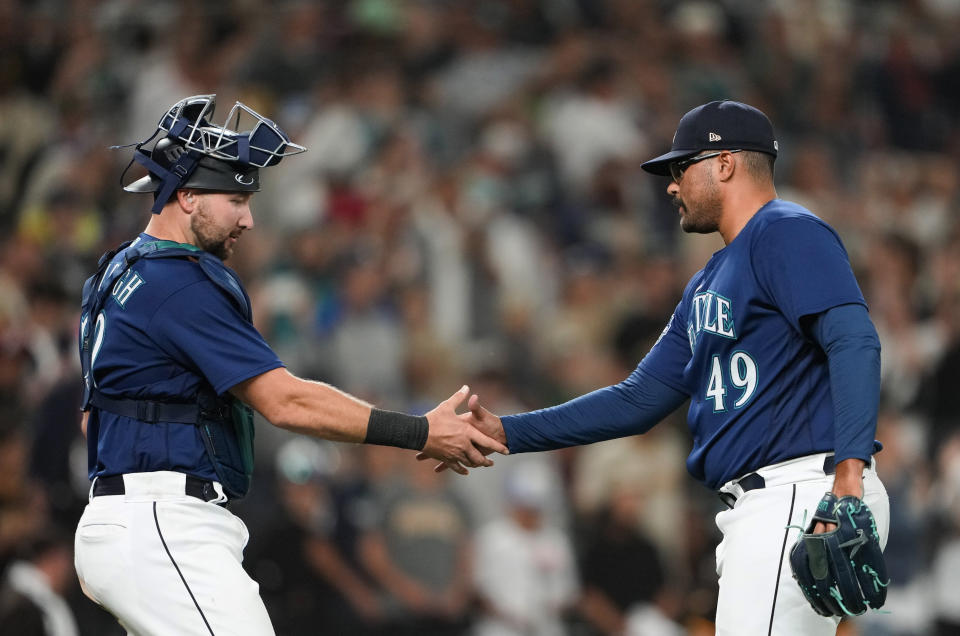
(802,265)
(201,328)
(630,408)
(669,356)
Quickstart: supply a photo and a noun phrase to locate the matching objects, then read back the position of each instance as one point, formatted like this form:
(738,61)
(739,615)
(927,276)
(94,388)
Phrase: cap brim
(144,184)
(210,174)
(661,165)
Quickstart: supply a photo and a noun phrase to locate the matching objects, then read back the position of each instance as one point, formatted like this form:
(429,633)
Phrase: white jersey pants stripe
(758,594)
(163,562)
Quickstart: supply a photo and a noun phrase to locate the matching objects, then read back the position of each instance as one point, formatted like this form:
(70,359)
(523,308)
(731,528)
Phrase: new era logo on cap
(715,137)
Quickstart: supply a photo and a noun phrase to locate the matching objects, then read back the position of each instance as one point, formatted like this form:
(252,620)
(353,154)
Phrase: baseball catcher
(173,369)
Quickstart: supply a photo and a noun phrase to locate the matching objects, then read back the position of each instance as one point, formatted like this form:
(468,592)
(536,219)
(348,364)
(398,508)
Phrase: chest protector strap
(224,423)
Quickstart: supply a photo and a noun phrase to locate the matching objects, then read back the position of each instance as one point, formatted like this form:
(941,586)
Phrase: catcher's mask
(194,153)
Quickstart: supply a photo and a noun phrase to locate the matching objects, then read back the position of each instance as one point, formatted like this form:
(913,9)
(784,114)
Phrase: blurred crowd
(471,210)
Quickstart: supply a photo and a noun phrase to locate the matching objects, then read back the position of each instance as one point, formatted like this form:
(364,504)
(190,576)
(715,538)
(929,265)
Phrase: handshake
(462,441)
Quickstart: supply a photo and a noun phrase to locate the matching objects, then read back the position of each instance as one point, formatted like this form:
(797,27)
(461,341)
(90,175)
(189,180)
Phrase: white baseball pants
(164,562)
(758,594)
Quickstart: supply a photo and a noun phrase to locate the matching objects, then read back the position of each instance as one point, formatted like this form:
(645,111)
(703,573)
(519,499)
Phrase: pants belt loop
(728,499)
(829,466)
(221,496)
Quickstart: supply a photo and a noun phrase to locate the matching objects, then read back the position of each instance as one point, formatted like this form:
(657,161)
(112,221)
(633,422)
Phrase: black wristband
(389,428)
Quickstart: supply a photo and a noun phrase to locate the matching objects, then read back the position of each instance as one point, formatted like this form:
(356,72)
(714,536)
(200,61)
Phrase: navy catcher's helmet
(197,154)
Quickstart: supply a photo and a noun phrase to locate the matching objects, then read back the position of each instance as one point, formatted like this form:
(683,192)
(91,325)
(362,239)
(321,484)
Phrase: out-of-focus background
(471,210)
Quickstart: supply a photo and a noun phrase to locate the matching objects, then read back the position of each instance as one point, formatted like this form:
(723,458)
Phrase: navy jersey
(165,332)
(759,386)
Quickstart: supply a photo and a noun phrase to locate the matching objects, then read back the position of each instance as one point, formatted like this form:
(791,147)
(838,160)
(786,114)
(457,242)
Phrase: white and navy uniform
(156,545)
(773,347)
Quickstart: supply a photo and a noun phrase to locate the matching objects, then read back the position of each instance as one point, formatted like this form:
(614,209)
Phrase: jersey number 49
(741,374)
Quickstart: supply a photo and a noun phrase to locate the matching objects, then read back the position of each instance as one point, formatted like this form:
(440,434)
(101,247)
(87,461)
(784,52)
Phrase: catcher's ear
(187,200)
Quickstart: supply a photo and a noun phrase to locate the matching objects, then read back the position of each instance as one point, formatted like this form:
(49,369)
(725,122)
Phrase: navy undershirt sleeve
(632,407)
(850,341)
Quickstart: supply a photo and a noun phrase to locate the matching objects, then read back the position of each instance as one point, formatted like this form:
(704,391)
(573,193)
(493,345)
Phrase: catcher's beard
(210,237)
(701,214)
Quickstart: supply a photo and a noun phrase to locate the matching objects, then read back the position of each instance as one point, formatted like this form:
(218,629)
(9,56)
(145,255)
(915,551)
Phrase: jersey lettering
(712,313)
(125,286)
(106,277)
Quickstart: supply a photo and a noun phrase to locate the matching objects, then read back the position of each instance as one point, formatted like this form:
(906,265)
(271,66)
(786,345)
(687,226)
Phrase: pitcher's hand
(485,422)
(454,440)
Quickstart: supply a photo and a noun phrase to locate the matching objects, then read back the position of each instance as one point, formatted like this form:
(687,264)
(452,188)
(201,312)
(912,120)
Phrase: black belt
(195,487)
(754,481)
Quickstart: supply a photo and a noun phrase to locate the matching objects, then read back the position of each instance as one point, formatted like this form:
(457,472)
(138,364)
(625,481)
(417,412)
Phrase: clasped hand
(482,429)
(463,441)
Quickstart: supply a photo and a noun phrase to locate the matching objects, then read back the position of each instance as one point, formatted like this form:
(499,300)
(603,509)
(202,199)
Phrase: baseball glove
(841,572)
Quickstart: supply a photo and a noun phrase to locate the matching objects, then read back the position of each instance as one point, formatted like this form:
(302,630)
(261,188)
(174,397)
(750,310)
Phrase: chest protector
(224,422)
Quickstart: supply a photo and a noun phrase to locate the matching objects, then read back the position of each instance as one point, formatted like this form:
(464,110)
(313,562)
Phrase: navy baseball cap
(720,125)
(208,174)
